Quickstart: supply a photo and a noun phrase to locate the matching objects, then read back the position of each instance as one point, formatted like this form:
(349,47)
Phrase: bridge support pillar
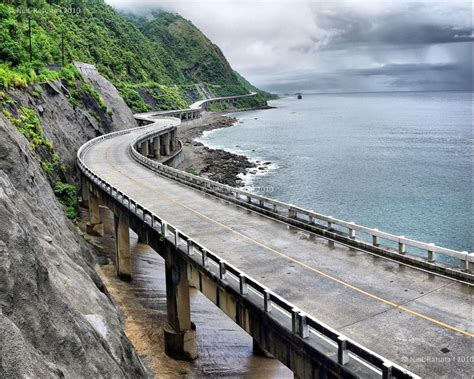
(94,227)
(166,144)
(162,145)
(123,261)
(145,148)
(156,148)
(84,192)
(173,140)
(180,332)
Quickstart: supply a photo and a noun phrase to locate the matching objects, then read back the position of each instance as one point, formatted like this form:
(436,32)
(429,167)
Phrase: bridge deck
(402,313)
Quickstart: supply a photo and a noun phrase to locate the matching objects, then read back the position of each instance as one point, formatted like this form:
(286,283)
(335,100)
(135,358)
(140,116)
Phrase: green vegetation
(24,75)
(29,125)
(265,95)
(245,102)
(93,33)
(218,107)
(133,98)
(192,171)
(53,166)
(190,56)
(168,97)
(153,61)
(27,74)
(156,63)
(68,196)
(158,96)
(5,99)
(251,101)
(37,92)
(79,94)
(70,74)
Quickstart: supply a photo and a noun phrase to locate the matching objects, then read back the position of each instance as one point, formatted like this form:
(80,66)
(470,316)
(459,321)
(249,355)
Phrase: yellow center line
(313,269)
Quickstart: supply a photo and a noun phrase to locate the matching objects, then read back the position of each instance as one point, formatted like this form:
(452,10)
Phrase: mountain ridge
(155,61)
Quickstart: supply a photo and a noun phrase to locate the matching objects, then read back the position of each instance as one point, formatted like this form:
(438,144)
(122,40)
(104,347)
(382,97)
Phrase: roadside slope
(56,318)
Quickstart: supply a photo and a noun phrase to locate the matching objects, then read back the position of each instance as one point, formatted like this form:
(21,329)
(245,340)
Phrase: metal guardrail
(302,324)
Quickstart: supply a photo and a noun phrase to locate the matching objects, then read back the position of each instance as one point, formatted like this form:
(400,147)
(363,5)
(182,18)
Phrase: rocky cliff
(56,318)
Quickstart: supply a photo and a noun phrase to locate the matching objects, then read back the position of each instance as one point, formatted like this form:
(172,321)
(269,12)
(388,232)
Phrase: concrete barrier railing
(197,106)
(203,103)
(375,239)
(303,325)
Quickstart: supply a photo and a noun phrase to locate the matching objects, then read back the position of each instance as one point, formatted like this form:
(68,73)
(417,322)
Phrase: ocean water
(399,162)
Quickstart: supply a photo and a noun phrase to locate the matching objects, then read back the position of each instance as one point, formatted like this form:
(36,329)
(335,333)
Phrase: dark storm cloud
(400,27)
(337,45)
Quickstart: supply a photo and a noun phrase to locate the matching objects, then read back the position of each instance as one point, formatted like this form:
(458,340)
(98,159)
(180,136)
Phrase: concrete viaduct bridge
(326,297)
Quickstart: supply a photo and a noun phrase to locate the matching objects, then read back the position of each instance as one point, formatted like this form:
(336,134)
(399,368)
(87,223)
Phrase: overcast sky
(337,45)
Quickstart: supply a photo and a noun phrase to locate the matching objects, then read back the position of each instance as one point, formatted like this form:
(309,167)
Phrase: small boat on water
(299,96)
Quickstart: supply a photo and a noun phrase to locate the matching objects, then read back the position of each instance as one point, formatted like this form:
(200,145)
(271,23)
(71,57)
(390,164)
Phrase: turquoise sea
(399,162)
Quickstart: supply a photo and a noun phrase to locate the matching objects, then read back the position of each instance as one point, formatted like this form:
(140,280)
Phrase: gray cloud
(408,25)
(404,69)
(337,45)
(405,77)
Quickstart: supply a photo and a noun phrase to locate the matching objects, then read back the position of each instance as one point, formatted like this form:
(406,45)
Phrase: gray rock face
(121,113)
(56,319)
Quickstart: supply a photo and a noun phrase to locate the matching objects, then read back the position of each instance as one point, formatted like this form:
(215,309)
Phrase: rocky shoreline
(216,164)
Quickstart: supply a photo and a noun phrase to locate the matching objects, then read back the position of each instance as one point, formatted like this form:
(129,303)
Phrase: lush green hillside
(195,56)
(155,62)
(192,58)
(93,33)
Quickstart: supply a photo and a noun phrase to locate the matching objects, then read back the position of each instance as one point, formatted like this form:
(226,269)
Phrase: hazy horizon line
(357,92)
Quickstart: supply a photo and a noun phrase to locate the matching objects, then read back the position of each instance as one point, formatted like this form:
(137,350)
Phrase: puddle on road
(224,348)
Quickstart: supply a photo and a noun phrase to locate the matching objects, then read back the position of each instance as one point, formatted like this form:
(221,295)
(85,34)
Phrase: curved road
(420,320)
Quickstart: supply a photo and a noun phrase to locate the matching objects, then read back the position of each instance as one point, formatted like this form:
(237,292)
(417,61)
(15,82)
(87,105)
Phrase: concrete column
(145,149)
(162,145)
(123,260)
(173,140)
(94,227)
(107,218)
(180,332)
(84,192)
(156,148)
(166,143)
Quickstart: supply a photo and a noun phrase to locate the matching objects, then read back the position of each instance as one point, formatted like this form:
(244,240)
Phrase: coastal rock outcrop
(216,164)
